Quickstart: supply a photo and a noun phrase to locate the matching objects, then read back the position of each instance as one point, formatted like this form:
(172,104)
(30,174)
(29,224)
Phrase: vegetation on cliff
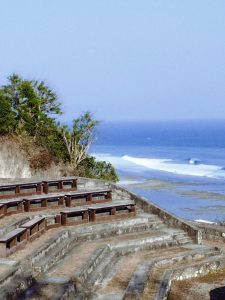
(29,110)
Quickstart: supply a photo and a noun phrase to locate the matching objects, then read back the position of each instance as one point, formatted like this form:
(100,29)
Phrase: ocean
(179,165)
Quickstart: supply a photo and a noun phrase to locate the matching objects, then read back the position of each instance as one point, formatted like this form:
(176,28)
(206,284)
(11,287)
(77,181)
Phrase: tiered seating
(13,206)
(13,241)
(140,256)
(111,211)
(17,238)
(20,189)
(50,201)
(75,216)
(36,203)
(60,185)
(54,222)
(35,227)
(95,213)
(89,197)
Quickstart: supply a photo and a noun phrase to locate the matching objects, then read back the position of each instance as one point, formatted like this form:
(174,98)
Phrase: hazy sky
(121,59)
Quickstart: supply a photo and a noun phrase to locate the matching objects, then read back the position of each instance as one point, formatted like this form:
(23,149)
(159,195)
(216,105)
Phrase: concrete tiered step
(144,274)
(131,258)
(165,270)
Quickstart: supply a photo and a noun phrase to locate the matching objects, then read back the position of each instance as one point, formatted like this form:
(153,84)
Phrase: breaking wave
(167,165)
(191,167)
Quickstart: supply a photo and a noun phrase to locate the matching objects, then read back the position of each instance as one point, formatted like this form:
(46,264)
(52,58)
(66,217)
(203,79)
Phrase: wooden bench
(35,227)
(36,203)
(111,211)
(74,216)
(13,206)
(53,222)
(18,189)
(13,241)
(58,185)
(2,210)
(88,197)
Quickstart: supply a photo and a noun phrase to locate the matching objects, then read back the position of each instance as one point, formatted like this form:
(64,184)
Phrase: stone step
(185,272)
(160,279)
(57,251)
(108,297)
(103,260)
(110,274)
(184,240)
(45,257)
(37,256)
(142,243)
(146,270)
(54,256)
(92,263)
(86,280)
(125,225)
(55,291)
(101,271)
(150,216)
(164,287)
(111,268)
(138,281)
(104,231)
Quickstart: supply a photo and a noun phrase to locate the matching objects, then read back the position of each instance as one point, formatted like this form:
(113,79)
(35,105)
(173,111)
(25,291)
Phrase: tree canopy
(33,103)
(79,139)
(30,108)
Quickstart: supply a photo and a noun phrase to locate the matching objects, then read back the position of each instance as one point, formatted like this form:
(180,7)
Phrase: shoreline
(188,200)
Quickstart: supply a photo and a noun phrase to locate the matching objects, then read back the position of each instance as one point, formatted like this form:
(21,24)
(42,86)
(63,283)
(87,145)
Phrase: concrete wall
(212,232)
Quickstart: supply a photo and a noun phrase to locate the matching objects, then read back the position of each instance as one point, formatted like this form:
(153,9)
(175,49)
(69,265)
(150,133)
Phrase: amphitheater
(79,238)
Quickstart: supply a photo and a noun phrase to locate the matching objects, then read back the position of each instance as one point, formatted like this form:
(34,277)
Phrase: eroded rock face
(13,163)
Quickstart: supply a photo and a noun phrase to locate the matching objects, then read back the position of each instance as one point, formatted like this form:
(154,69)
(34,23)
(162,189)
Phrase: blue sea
(179,165)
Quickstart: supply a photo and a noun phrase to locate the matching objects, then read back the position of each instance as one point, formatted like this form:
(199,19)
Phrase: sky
(120,59)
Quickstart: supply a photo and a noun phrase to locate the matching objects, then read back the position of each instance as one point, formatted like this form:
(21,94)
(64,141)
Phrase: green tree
(98,169)
(7,116)
(79,139)
(33,102)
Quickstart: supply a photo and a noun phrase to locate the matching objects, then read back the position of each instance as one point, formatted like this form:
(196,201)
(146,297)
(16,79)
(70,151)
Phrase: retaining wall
(212,232)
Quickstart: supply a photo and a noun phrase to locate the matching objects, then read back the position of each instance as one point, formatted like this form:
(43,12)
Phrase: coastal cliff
(18,162)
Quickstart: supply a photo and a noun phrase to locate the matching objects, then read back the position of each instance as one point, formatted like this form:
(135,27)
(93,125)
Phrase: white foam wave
(118,162)
(194,161)
(137,165)
(204,221)
(167,165)
(129,181)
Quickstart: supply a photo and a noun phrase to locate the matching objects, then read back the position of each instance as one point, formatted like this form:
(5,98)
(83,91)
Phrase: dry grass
(197,288)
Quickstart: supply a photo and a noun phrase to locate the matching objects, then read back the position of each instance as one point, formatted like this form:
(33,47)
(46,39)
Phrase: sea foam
(167,165)
(137,164)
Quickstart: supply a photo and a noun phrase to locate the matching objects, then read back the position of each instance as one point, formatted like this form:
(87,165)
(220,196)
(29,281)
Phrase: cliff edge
(26,160)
